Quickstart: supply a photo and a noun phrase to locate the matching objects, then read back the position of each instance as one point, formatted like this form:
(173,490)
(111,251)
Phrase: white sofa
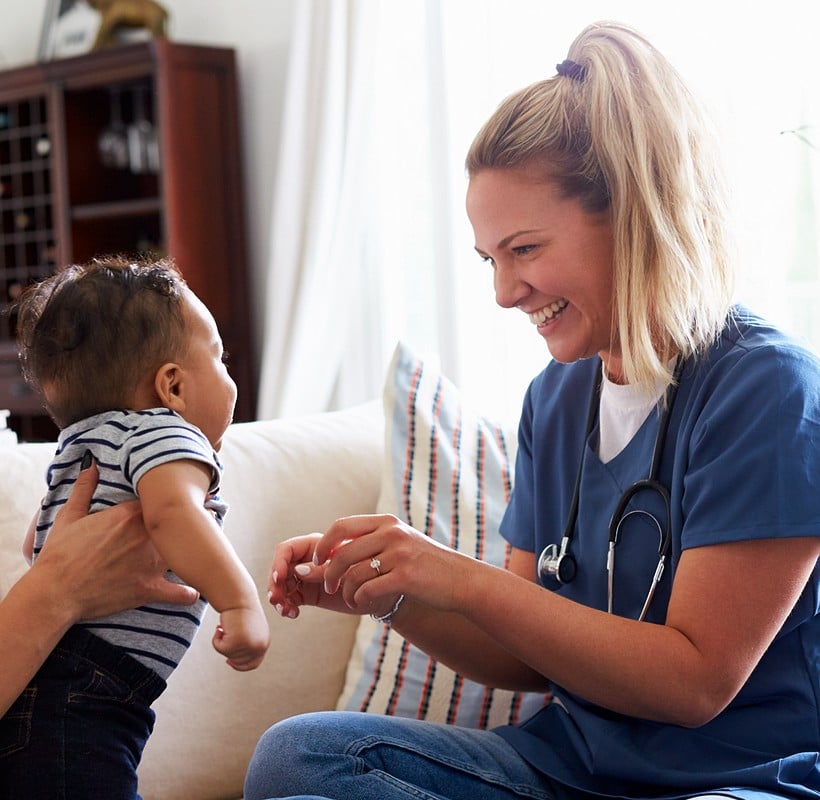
(282,477)
(421,453)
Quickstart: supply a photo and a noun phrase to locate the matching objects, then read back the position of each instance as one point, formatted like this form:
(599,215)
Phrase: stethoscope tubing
(552,558)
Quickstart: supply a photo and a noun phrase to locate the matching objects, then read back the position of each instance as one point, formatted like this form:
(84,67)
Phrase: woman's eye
(488,260)
(523,249)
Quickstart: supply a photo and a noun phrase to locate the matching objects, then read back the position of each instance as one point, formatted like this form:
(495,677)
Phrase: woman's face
(550,258)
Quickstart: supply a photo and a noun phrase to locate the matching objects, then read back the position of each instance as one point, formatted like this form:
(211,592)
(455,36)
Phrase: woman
(675,523)
(92,566)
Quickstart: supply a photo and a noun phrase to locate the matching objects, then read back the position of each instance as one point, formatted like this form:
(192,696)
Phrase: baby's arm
(193,545)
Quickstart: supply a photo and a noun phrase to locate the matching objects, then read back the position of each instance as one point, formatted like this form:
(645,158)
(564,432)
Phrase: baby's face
(210,393)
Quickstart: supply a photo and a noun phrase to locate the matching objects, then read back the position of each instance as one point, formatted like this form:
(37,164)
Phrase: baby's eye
(225,356)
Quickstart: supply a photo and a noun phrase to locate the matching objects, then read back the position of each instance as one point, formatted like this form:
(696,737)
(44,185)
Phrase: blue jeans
(355,756)
(78,730)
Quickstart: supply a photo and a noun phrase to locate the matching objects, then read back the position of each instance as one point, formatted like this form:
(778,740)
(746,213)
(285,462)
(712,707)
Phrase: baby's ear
(169,385)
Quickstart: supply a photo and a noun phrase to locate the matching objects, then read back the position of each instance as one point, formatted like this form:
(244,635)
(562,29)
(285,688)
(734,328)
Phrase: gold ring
(375,563)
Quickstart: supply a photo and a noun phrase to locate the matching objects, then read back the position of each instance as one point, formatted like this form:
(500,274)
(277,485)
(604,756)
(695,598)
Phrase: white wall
(259,30)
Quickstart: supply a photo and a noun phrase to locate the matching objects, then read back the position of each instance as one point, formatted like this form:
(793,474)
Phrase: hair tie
(571,69)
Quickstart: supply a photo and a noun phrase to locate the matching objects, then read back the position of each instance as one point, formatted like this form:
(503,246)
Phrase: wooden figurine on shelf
(118,14)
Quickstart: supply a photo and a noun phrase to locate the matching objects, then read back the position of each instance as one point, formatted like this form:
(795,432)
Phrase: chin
(569,355)
(563,357)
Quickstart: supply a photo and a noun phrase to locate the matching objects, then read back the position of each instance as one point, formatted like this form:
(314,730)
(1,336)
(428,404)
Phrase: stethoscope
(558,564)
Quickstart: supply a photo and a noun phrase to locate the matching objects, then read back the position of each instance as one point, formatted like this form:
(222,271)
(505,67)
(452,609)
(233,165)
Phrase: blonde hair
(620,131)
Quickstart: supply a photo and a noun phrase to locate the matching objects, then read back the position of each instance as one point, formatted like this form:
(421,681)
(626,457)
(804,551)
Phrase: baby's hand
(243,636)
(296,581)
(286,590)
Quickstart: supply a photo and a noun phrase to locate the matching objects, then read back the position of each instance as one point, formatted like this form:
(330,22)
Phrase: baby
(131,368)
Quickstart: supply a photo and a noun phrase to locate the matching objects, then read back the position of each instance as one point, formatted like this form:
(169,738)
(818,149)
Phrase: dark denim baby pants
(77,732)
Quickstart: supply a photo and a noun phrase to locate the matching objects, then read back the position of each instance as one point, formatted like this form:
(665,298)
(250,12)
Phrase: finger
(284,592)
(219,642)
(287,596)
(346,530)
(175,593)
(286,601)
(346,559)
(363,574)
(277,595)
(287,609)
(81,493)
(288,553)
(300,548)
(273,578)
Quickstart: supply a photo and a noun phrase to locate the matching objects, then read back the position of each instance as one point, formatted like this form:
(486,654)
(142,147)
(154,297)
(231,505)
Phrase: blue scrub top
(741,461)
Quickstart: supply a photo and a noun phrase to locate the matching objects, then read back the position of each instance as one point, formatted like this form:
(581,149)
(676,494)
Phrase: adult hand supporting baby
(91,566)
(102,563)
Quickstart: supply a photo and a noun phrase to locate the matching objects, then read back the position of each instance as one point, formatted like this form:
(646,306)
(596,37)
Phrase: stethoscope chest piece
(556,564)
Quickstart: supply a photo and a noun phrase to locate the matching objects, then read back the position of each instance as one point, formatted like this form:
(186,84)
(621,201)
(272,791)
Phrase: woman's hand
(373,559)
(295,581)
(361,565)
(102,563)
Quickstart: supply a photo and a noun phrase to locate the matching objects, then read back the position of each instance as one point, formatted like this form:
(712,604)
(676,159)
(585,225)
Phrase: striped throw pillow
(448,472)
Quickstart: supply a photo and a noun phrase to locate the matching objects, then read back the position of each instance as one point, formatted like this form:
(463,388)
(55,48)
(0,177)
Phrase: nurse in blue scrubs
(665,519)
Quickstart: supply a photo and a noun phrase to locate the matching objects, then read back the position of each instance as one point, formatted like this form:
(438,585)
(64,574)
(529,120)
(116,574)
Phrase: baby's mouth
(548,312)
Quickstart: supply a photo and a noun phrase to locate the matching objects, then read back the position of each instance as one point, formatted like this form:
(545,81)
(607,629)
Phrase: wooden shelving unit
(169,184)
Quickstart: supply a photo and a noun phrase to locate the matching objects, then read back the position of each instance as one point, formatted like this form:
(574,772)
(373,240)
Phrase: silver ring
(375,563)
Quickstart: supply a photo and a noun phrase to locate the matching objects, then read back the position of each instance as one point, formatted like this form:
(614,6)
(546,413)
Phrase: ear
(169,385)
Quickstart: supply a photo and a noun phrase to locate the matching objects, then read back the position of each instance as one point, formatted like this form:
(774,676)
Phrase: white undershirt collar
(624,407)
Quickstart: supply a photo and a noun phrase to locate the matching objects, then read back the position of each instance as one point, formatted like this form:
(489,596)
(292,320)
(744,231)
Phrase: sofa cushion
(448,473)
(282,478)
(22,486)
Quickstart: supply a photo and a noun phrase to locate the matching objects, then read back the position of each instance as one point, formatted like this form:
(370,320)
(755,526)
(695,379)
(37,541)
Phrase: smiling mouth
(548,313)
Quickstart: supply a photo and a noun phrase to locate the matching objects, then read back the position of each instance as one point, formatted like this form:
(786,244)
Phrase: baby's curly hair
(90,333)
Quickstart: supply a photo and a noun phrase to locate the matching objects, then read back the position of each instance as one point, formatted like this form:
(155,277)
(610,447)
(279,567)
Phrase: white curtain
(370,239)
(314,314)
(358,217)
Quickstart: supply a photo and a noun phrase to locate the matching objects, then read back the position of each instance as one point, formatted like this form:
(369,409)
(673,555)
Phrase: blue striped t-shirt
(126,445)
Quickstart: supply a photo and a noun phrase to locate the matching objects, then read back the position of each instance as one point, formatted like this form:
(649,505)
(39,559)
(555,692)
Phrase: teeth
(548,312)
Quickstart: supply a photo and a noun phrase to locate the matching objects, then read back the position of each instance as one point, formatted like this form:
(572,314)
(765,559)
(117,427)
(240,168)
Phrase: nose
(510,290)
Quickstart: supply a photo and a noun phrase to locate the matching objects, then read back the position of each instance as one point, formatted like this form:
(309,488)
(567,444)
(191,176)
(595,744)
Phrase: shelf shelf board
(118,208)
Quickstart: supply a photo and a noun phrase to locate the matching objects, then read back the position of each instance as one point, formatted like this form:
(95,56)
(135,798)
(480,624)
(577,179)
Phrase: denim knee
(353,756)
(283,752)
